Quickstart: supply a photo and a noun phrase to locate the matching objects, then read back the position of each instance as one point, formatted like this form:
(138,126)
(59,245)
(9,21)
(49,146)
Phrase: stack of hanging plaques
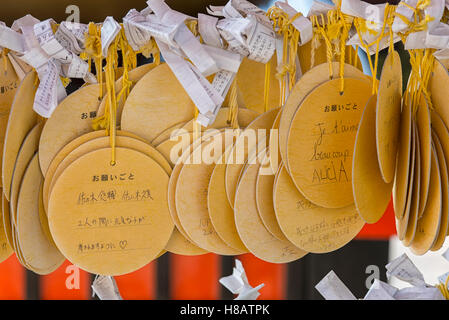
(22,181)
(9,83)
(313,200)
(420,192)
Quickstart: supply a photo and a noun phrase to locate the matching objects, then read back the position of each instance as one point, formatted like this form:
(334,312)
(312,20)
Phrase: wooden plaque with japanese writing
(71,119)
(251,229)
(309,81)
(312,228)
(111,220)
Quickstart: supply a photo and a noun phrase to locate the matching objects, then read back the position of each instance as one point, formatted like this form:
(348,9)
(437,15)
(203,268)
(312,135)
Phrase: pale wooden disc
(130,211)
(414,206)
(251,83)
(9,82)
(104,142)
(157,102)
(220,212)
(43,216)
(264,200)
(412,202)
(424,130)
(186,146)
(371,194)
(274,153)
(191,198)
(401,179)
(438,87)
(239,155)
(166,134)
(22,119)
(66,150)
(444,219)
(6,220)
(134,76)
(38,253)
(71,119)
(388,115)
(251,229)
(309,81)
(321,142)
(178,244)
(26,153)
(309,227)
(5,247)
(429,225)
(443,134)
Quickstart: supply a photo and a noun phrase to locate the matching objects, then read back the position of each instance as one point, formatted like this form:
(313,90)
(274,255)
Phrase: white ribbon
(106,288)
(404,269)
(238,284)
(332,288)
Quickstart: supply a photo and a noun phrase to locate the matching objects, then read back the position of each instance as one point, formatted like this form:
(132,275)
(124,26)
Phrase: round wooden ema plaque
(428,226)
(388,115)
(68,149)
(249,139)
(168,133)
(371,193)
(442,232)
(43,216)
(424,130)
(39,254)
(5,233)
(26,153)
(191,196)
(116,226)
(438,88)
(22,119)
(410,215)
(220,212)
(9,83)
(264,199)
(412,218)
(104,142)
(134,76)
(251,83)
(179,230)
(443,134)
(71,119)
(400,186)
(309,227)
(178,244)
(274,154)
(157,102)
(251,229)
(321,142)
(309,81)
(6,219)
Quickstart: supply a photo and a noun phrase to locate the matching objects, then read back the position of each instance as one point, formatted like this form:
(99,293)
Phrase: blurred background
(179,277)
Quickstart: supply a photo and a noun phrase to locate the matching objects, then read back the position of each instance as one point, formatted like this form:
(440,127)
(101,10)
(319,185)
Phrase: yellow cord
(267,86)
(444,288)
(111,65)
(233,105)
(93,51)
